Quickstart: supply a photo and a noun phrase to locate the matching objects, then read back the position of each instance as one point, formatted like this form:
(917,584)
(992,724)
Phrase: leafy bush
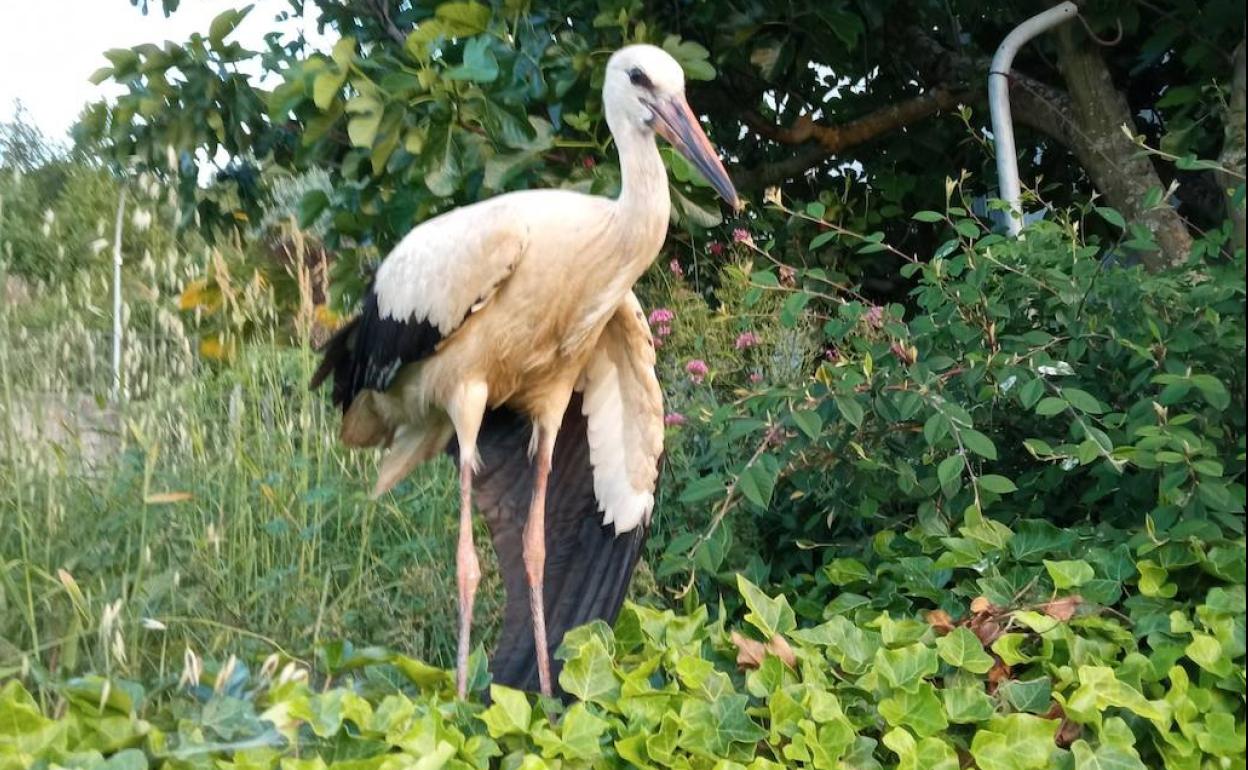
(859,690)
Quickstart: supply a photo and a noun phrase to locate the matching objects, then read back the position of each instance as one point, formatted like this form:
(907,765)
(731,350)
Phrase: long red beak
(678,125)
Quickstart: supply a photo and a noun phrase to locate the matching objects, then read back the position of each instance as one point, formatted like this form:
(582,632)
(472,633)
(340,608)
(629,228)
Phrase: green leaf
(769,615)
(919,710)
(225,23)
(979,443)
(580,732)
(1105,757)
(1015,742)
(949,472)
(1099,688)
(1111,216)
(850,409)
(758,482)
(1069,574)
(929,216)
(998,484)
(967,704)
(905,667)
(925,754)
(809,421)
(462,19)
(589,673)
(480,65)
(1032,695)
(962,649)
(1083,401)
(1050,406)
(510,713)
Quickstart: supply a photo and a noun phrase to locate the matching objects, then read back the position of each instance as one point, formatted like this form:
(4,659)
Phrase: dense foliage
(932,497)
(1054,685)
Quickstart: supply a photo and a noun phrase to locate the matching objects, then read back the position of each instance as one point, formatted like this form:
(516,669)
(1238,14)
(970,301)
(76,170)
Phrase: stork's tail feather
(337,359)
(588,566)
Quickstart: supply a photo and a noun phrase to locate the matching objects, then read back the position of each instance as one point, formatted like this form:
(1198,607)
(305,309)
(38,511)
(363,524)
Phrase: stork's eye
(638,78)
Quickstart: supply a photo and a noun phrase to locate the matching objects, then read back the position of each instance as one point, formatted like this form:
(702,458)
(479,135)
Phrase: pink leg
(468,575)
(535,555)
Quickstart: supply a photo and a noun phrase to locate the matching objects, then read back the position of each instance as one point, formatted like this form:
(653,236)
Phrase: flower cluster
(697,370)
(661,322)
(746,340)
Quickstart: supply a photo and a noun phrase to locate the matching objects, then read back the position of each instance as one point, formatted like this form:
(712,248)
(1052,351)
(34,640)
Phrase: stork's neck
(644,202)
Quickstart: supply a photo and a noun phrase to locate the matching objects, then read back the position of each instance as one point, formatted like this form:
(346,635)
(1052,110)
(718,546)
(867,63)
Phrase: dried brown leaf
(1062,609)
(980,604)
(750,653)
(779,646)
(940,621)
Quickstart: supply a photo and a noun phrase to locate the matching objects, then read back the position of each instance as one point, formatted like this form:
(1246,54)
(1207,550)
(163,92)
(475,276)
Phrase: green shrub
(859,690)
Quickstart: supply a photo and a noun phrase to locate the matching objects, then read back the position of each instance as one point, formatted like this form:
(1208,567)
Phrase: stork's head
(645,92)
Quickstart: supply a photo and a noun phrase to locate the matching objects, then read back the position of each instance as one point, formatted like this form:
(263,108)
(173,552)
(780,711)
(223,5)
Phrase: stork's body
(515,303)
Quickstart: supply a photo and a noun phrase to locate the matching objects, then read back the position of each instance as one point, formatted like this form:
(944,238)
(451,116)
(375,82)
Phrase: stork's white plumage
(516,303)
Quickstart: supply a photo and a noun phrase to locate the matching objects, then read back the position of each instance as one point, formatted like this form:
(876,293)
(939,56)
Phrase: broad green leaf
(509,714)
(906,667)
(769,615)
(962,649)
(919,710)
(1068,574)
(1105,757)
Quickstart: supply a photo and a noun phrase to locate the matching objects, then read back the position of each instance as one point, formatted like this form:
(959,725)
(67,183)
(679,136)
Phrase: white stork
(486,322)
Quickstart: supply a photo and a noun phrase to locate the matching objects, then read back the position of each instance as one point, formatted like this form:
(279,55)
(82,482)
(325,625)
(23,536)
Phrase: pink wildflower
(756,377)
(676,269)
(716,248)
(874,316)
(589,162)
(657,342)
(697,370)
(832,354)
(741,235)
(661,316)
(746,340)
(674,419)
(663,330)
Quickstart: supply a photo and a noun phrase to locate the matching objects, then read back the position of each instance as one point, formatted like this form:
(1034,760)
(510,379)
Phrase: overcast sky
(48,48)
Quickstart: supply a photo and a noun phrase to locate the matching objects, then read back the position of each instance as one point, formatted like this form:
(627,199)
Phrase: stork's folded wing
(623,406)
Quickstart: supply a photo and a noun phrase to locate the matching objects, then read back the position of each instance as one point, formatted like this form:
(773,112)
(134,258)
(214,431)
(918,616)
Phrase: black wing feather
(588,566)
(369,351)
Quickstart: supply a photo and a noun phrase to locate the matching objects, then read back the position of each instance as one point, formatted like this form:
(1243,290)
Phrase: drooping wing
(590,557)
(588,565)
(623,405)
(444,270)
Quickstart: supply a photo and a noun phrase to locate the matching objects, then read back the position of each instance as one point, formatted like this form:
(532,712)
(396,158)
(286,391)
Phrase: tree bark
(1115,164)
(820,141)
(1233,154)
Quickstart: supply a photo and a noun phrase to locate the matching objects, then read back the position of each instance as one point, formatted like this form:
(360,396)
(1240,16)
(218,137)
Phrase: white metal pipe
(117,319)
(999,105)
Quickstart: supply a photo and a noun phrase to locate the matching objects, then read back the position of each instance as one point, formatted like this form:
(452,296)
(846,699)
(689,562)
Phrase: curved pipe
(999,105)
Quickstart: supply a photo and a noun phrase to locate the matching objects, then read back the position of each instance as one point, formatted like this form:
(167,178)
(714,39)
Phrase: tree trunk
(1115,164)
(1232,157)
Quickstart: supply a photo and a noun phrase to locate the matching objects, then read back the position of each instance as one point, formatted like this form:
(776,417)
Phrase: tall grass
(209,509)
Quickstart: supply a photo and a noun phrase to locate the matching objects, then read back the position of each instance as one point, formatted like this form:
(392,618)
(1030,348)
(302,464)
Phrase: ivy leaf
(1015,742)
(905,667)
(967,704)
(919,710)
(962,649)
(589,673)
(1105,757)
(1069,574)
(758,481)
(509,714)
(769,615)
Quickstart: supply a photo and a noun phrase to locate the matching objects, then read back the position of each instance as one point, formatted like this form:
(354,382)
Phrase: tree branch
(819,141)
